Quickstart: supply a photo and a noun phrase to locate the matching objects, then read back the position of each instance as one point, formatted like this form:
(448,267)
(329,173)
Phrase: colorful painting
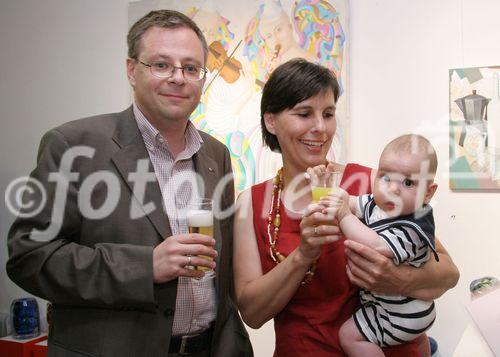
(247,39)
(475,128)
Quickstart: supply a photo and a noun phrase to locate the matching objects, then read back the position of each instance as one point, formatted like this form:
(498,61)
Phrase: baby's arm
(342,205)
(354,206)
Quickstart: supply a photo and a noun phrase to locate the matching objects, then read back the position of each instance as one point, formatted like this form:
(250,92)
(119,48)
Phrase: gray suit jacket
(98,273)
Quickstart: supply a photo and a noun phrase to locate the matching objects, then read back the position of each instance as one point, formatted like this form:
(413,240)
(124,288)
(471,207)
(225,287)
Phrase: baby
(397,221)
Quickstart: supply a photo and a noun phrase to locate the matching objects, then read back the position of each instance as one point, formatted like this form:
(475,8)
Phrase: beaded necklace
(274,219)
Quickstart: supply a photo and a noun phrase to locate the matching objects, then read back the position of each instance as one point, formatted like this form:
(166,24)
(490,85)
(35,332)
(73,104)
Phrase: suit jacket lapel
(207,169)
(132,149)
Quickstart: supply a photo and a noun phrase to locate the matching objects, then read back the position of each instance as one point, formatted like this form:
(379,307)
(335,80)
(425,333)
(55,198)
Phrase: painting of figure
(247,40)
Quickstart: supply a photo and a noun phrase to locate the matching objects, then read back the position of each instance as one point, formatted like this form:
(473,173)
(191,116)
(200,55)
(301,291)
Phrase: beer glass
(322,185)
(200,220)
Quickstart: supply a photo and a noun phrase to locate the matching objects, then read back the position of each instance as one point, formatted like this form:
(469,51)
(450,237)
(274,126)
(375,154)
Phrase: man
(120,279)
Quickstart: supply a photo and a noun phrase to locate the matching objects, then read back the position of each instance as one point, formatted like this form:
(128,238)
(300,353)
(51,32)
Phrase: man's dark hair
(289,84)
(163,19)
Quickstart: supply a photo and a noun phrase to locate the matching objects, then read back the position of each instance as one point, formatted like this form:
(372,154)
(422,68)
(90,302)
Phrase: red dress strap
(356,179)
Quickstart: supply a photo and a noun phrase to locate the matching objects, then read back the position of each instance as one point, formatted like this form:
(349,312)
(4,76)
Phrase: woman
(289,262)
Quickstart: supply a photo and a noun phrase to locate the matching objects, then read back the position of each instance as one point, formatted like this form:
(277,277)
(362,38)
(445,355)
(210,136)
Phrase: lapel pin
(211,170)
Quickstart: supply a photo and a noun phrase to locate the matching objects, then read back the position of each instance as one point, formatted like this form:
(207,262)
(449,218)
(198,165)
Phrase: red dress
(308,325)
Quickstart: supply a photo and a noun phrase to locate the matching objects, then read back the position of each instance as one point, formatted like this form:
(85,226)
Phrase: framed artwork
(247,39)
(475,128)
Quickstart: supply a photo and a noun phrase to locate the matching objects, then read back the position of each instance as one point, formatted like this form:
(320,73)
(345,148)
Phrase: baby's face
(402,186)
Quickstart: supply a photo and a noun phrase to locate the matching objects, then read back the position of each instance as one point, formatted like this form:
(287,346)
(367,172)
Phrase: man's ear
(269,120)
(131,63)
(203,84)
(430,192)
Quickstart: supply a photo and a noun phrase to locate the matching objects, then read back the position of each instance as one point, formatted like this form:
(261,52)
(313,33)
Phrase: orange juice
(318,192)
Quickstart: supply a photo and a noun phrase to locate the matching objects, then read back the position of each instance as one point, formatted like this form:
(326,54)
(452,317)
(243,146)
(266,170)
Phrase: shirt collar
(153,138)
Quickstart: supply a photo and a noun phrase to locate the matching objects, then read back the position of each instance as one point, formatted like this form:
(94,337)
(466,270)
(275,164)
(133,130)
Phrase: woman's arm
(260,296)
(372,271)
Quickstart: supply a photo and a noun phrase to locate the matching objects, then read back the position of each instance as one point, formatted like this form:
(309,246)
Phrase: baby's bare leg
(354,343)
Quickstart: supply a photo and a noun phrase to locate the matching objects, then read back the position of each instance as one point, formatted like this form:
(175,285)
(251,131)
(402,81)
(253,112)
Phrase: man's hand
(174,256)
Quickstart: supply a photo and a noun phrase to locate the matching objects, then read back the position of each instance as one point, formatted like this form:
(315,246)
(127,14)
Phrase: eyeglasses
(166,70)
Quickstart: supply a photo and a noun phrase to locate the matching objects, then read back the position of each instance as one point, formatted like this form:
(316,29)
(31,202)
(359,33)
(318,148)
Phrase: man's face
(166,99)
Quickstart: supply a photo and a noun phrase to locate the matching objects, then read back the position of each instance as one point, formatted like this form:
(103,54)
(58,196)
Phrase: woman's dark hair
(289,84)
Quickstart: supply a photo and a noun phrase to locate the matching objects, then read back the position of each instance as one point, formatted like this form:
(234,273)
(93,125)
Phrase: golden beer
(208,231)
(201,222)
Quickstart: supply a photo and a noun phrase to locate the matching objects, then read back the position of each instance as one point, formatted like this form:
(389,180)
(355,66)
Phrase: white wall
(59,60)
(64,59)
(401,51)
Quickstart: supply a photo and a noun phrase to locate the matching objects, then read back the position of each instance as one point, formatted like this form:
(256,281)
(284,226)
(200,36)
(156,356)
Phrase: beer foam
(200,218)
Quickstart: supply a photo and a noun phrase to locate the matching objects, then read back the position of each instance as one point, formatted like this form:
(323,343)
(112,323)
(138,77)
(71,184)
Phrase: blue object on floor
(434,345)
(25,318)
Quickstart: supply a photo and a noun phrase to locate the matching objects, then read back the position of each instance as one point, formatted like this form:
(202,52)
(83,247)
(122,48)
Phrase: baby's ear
(430,192)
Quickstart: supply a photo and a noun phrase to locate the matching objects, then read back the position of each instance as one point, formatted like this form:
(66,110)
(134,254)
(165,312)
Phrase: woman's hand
(372,271)
(316,229)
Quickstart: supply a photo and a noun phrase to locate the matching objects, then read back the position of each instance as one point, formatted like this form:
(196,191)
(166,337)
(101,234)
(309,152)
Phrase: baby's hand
(336,204)
(317,174)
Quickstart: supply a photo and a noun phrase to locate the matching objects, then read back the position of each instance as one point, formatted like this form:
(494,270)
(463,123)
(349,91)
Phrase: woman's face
(305,132)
